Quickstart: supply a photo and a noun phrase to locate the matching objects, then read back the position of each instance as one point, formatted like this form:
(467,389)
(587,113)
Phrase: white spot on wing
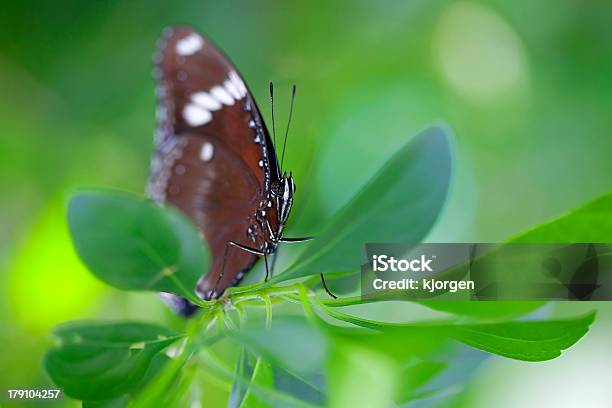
(206,101)
(189,45)
(233,76)
(222,95)
(231,87)
(195,115)
(207,151)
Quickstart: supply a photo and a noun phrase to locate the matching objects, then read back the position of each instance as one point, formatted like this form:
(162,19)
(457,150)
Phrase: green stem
(347,301)
(268,303)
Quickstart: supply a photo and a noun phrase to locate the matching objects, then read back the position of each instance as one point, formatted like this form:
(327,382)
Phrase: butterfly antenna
(288,124)
(272,103)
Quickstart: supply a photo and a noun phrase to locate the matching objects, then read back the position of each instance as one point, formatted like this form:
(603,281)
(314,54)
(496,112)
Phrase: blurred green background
(525,86)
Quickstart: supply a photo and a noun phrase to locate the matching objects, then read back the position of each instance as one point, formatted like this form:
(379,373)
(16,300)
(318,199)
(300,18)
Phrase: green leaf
(361,377)
(399,204)
(132,243)
(415,375)
(119,402)
(279,343)
(528,340)
(484,310)
(164,387)
(181,392)
(522,340)
(158,363)
(309,388)
(591,222)
(100,361)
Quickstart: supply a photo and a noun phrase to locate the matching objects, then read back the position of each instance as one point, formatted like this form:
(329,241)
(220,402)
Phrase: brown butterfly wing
(214,159)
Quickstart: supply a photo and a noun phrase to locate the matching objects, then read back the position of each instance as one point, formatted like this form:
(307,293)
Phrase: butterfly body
(214,159)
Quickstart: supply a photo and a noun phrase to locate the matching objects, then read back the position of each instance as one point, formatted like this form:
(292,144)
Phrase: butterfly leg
(295,240)
(228,245)
(246,248)
(287,241)
(279,240)
(326,288)
(267,269)
(304,239)
(273,262)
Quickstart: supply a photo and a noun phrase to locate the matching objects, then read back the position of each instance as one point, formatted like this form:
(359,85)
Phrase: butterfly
(215,161)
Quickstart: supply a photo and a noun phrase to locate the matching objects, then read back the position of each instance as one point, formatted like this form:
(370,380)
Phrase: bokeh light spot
(478,53)
(48,283)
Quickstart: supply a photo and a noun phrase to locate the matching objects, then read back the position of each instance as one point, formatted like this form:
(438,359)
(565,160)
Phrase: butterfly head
(282,191)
